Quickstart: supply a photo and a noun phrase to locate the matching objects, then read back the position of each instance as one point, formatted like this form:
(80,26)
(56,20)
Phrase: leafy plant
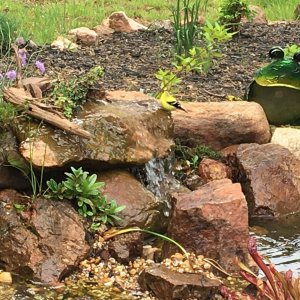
(8,112)
(7,33)
(85,190)
(276,286)
(232,11)
(36,180)
(194,155)
(68,94)
(193,59)
(185,24)
(19,207)
(290,50)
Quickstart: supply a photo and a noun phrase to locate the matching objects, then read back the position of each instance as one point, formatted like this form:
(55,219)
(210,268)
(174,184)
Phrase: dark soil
(131,60)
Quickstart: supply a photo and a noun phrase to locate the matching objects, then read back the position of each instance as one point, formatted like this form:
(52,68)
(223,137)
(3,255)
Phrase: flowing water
(280,242)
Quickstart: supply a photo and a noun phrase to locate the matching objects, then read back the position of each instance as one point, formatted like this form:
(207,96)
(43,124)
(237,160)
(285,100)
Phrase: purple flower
(20,41)
(23,57)
(11,75)
(40,66)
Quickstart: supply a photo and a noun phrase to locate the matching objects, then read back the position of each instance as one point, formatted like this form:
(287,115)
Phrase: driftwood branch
(20,98)
(19,66)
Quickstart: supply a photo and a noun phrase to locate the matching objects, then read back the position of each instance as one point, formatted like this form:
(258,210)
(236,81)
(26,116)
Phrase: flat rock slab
(166,284)
(221,124)
(126,129)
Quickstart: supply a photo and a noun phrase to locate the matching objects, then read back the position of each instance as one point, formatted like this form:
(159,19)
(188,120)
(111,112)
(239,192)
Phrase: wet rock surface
(143,209)
(129,130)
(166,284)
(269,175)
(45,243)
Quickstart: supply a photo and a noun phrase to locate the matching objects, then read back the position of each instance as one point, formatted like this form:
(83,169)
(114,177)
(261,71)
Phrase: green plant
(196,59)
(232,11)
(290,50)
(85,190)
(276,286)
(19,207)
(185,23)
(68,94)
(7,33)
(113,233)
(8,113)
(194,155)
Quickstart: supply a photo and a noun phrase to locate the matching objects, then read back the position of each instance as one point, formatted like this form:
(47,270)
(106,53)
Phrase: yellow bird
(168,102)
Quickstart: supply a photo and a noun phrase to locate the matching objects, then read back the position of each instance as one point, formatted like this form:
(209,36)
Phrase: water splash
(157,177)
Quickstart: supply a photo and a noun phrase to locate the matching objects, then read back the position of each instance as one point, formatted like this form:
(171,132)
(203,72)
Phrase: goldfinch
(168,102)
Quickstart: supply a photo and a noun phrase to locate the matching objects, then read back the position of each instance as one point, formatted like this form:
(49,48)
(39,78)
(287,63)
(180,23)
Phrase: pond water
(280,241)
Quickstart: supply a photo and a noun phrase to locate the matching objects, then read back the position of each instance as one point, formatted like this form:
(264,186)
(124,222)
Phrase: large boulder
(221,124)
(45,244)
(128,128)
(270,177)
(212,221)
(143,209)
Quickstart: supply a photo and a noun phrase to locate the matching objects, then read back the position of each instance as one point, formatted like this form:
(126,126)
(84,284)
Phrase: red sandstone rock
(212,221)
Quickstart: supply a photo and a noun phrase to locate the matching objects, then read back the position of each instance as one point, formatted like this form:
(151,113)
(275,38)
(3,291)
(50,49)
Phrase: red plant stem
(259,261)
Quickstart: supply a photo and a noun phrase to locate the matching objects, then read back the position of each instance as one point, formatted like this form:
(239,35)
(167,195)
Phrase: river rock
(126,247)
(212,221)
(166,284)
(45,243)
(270,177)
(221,124)
(129,128)
(143,209)
(210,169)
(288,138)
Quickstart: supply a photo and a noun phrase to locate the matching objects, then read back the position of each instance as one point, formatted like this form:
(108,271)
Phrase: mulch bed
(131,60)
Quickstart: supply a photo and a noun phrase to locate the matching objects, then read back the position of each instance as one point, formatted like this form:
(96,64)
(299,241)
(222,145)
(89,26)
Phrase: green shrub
(8,112)
(196,154)
(232,11)
(85,190)
(68,94)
